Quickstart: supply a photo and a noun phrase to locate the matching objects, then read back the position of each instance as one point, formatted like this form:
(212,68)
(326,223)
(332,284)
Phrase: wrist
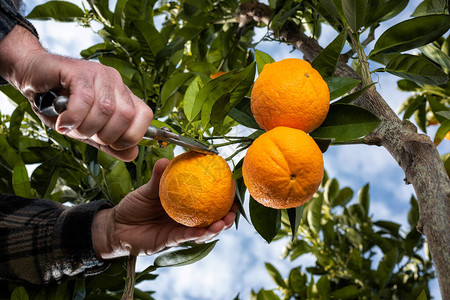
(104,239)
(16,49)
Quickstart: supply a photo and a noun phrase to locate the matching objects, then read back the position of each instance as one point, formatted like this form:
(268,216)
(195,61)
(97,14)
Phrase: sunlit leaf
(416,68)
(346,122)
(276,276)
(328,58)
(350,98)
(172,85)
(436,54)
(262,58)
(386,266)
(20,180)
(355,13)
(184,256)
(62,11)
(411,34)
(339,86)
(364,199)
(441,132)
(428,7)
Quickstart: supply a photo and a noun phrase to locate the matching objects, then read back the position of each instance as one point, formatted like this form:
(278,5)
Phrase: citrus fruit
(197,189)
(283,168)
(290,93)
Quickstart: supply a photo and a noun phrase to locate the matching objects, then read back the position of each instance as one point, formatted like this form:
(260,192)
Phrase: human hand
(101,111)
(139,224)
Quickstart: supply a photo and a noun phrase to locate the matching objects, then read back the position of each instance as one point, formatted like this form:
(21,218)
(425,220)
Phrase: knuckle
(106,106)
(126,113)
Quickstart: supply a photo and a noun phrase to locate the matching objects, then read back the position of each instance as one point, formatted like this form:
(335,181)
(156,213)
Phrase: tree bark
(415,153)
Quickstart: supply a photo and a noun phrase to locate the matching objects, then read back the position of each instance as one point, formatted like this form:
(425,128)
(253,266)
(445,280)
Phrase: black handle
(50,103)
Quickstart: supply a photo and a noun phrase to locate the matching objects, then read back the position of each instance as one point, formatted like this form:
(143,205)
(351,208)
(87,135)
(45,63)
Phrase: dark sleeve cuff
(73,249)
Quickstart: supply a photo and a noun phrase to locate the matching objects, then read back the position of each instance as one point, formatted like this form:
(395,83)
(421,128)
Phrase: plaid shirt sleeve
(43,241)
(10,17)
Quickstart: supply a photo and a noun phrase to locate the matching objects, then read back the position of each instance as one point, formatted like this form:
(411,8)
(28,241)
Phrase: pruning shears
(52,104)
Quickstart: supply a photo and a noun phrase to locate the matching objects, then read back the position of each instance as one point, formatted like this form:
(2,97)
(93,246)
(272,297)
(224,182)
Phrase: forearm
(15,49)
(11,19)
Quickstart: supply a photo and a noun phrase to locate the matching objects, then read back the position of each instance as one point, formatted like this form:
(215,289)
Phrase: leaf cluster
(355,256)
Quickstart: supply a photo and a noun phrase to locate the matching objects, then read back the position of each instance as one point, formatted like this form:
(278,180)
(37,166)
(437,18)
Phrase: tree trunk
(414,152)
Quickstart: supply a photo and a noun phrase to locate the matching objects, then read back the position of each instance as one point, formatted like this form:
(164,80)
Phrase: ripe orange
(290,93)
(197,189)
(447,136)
(283,168)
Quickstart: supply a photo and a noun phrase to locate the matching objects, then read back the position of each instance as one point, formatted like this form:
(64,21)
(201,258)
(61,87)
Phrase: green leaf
(420,116)
(262,58)
(437,55)
(237,85)
(172,85)
(386,266)
(190,96)
(364,199)
(392,227)
(119,182)
(151,35)
(346,122)
(313,209)
(266,220)
(339,86)
(412,106)
(428,7)
(19,293)
(343,197)
(355,12)
(384,11)
(439,109)
(101,9)
(347,292)
(300,248)
(411,34)
(15,124)
(276,276)
(184,256)
(124,67)
(355,95)
(242,114)
(61,11)
(331,190)
(422,296)
(416,68)
(441,132)
(408,86)
(328,58)
(266,295)
(295,216)
(21,181)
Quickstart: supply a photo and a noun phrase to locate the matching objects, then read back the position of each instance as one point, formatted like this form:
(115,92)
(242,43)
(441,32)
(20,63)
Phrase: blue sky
(236,265)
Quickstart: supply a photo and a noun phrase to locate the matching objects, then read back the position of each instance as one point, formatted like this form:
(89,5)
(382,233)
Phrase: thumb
(150,190)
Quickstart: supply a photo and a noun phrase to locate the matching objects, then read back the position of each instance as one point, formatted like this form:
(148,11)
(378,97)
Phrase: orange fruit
(283,168)
(197,189)
(290,93)
(218,74)
(447,136)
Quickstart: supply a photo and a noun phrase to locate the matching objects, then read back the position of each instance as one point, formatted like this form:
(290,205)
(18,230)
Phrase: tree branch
(415,153)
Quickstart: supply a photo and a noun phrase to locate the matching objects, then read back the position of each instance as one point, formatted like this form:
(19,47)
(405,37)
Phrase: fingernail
(65,129)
